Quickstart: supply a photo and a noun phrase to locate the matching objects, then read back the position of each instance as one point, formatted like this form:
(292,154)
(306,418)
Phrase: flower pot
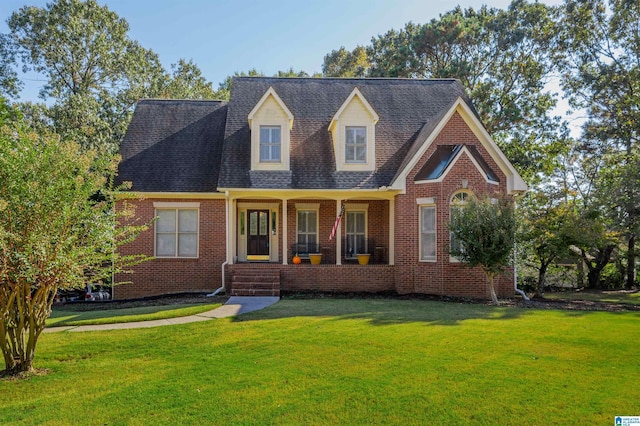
(315,258)
(363,259)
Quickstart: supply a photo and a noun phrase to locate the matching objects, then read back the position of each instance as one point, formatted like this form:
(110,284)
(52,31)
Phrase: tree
(600,58)
(94,71)
(486,231)
(9,83)
(549,230)
(343,63)
(58,229)
(618,192)
(186,82)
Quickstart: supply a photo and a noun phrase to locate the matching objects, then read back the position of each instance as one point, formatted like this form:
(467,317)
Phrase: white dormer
(353,132)
(270,122)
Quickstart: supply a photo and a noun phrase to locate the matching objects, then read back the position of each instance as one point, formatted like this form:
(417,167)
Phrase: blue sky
(222,37)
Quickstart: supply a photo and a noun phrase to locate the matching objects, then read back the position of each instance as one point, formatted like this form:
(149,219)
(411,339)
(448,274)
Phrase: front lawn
(613,296)
(342,361)
(70,317)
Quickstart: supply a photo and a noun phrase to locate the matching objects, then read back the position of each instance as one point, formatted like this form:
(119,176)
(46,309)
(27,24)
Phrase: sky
(223,37)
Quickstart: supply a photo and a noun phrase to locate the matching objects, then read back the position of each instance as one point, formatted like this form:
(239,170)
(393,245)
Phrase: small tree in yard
(486,231)
(55,232)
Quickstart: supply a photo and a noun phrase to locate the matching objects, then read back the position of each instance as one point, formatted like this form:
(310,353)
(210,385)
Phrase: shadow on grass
(394,311)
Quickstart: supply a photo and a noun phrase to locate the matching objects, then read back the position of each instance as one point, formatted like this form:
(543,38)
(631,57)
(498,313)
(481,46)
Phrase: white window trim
(435,231)
(176,207)
(307,207)
(355,145)
(284,120)
(269,144)
(338,125)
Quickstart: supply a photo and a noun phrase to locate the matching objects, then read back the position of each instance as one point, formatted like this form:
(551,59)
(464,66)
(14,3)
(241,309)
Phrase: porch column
(338,235)
(230,234)
(392,231)
(285,255)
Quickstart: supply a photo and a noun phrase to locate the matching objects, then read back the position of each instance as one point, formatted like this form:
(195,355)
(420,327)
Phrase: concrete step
(255,292)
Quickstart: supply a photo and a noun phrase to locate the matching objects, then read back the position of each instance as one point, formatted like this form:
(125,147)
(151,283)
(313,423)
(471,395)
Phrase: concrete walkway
(236,305)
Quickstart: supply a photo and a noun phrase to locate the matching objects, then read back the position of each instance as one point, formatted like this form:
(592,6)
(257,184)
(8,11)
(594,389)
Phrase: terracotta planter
(315,258)
(363,259)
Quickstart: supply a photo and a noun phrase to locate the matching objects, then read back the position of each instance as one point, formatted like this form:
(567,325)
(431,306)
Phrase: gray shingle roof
(174,146)
(405,107)
(198,146)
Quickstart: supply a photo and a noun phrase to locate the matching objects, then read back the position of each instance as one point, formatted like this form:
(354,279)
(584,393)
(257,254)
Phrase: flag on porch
(335,225)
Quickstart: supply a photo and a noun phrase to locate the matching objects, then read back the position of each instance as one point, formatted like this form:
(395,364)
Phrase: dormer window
(270,123)
(353,130)
(270,144)
(355,144)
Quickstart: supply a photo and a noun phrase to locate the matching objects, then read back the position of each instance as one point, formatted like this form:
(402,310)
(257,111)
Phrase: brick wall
(443,277)
(165,276)
(327,278)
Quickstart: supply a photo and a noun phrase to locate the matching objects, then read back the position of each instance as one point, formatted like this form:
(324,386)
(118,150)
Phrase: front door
(258,236)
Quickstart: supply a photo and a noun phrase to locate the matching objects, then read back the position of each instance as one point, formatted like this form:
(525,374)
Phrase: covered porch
(276,226)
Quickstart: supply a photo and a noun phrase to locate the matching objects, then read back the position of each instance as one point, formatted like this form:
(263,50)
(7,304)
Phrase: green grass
(626,297)
(342,361)
(61,317)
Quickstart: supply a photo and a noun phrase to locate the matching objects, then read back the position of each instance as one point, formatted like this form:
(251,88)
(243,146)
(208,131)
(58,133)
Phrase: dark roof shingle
(405,107)
(174,146)
(199,146)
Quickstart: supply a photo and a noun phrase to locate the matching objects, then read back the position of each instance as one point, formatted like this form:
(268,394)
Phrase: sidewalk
(236,305)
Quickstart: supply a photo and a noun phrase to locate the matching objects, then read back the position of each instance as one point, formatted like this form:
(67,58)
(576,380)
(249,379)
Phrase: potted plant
(363,258)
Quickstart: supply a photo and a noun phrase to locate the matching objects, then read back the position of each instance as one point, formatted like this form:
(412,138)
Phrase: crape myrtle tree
(58,229)
(486,230)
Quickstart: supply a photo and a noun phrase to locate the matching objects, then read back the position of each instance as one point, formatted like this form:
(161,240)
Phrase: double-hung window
(270,144)
(177,232)
(356,235)
(427,233)
(355,144)
(307,241)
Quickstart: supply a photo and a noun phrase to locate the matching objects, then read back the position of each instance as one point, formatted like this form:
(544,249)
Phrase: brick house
(241,187)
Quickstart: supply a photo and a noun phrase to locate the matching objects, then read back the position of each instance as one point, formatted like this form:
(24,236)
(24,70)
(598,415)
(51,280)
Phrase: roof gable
(515,183)
(271,93)
(354,94)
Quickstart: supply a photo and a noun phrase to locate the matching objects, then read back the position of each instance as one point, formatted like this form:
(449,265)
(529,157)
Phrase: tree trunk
(542,276)
(22,319)
(490,278)
(597,264)
(631,262)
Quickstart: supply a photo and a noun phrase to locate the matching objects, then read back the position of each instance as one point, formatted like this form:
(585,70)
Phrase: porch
(275,230)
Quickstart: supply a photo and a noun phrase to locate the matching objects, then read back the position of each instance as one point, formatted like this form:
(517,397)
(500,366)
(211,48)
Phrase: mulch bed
(195,298)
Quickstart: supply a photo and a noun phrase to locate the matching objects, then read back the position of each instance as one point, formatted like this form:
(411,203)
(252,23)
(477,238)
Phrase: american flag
(335,225)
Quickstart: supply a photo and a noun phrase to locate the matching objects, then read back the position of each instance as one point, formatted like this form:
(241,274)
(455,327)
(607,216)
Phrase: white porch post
(230,233)
(285,255)
(392,231)
(338,235)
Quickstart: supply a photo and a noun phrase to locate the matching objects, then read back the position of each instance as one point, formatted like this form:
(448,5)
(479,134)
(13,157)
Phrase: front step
(255,282)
